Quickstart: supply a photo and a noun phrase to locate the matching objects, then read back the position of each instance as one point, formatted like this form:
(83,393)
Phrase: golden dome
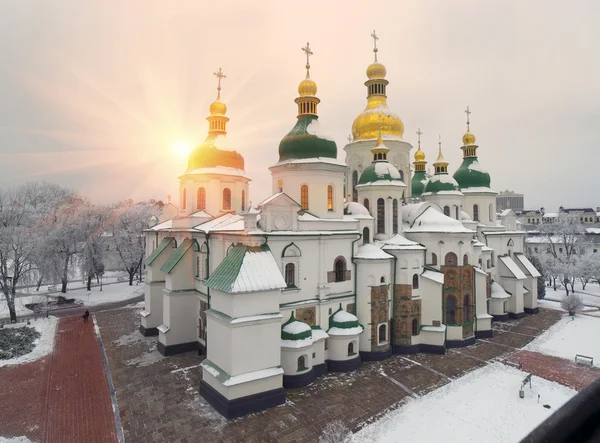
(468,139)
(376,70)
(365,126)
(218,108)
(419,155)
(307,88)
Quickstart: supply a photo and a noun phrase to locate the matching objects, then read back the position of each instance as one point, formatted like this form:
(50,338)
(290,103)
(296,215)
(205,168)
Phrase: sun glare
(181,149)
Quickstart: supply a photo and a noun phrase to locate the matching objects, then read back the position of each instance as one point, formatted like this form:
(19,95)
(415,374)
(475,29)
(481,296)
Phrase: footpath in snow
(482,406)
(569,337)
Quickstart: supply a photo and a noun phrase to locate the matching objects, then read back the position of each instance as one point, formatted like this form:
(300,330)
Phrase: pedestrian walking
(86,315)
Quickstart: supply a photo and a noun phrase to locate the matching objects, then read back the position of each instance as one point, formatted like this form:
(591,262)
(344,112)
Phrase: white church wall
(180,315)
(214,184)
(153,304)
(245,304)
(338,347)
(289,359)
(255,346)
(486,204)
(431,301)
(454,332)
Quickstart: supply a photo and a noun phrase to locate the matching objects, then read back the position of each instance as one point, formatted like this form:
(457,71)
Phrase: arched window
(203,272)
(382,333)
(330,198)
(304,197)
(447,211)
(475,212)
(465,260)
(395,216)
(184,198)
(340,269)
(201,199)
(491,212)
(243,200)
(415,327)
(226,199)
(290,275)
(451,259)
(380,216)
(351,348)
(354,183)
(466,309)
(456,212)
(366,238)
(197,266)
(302,363)
(433,259)
(510,242)
(382,280)
(451,310)
(366,204)
(416,281)
(401,174)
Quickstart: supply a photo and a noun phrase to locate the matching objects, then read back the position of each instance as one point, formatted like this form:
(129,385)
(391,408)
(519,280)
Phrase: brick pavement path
(63,397)
(158,397)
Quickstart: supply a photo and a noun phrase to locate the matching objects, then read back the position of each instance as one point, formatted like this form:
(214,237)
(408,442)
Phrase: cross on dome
(375,38)
(219,74)
(349,138)
(419,134)
(468,112)
(308,53)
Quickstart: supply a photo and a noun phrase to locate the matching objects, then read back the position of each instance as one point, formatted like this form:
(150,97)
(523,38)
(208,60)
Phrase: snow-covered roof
(356,210)
(314,128)
(247,269)
(400,242)
(505,212)
(593,230)
(437,277)
(432,220)
(478,190)
(327,160)
(512,267)
(201,214)
(232,380)
(464,216)
(371,252)
(342,322)
(477,244)
(275,197)
(440,328)
(484,316)
(480,271)
(168,224)
(527,265)
(221,170)
(227,222)
(498,291)
(319,334)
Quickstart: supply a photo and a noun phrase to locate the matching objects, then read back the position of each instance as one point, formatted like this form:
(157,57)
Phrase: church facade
(343,263)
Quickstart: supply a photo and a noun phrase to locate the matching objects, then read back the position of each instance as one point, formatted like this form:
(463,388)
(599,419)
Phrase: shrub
(15,342)
(335,432)
(572,303)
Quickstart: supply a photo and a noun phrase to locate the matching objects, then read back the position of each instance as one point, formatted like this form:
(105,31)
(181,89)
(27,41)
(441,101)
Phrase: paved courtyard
(159,401)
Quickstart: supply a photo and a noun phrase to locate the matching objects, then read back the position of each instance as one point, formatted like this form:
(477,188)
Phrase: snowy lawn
(590,297)
(482,406)
(569,337)
(109,294)
(43,345)
(15,440)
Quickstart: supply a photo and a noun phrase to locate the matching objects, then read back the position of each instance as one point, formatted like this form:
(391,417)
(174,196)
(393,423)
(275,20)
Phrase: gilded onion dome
(419,178)
(470,174)
(210,154)
(306,139)
(366,124)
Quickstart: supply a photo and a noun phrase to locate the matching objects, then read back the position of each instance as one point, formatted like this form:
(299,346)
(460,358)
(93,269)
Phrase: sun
(181,148)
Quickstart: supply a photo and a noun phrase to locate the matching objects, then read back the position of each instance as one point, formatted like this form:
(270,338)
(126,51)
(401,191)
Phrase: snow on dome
(476,166)
(443,178)
(315,129)
(464,216)
(498,291)
(342,316)
(383,110)
(296,327)
(356,209)
(293,330)
(431,220)
(370,252)
(383,169)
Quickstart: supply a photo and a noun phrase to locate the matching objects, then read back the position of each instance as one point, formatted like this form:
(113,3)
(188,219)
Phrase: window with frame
(366,204)
(382,333)
(226,199)
(380,216)
(466,309)
(491,214)
(354,183)
(184,199)
(451,310)
(475,212)
(415,327)
(434,259)
(366,237)
(243,200)
(415,282)
(201,199)
(465,260)
(351,348)
(302,363)
(330,198)
(290,275)
(447,211)
(340,269)
(451,259)
(395,216)
(456,212)
(304,197)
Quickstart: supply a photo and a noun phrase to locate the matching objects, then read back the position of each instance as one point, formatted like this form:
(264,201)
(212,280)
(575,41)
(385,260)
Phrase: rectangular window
(304,197)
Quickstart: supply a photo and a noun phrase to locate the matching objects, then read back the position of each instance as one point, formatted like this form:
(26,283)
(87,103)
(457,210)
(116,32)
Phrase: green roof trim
(300,335)
(178,255)
(159,249)
(344,324)
(299,143)
(223,278)
(471,175)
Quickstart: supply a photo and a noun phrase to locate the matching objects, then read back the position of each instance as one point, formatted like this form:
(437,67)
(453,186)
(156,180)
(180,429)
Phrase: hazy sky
(96,95)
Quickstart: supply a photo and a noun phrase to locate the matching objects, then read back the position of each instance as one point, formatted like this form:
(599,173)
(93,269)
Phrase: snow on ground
(590,297)
(569,337)
(110,293)
(43,345)
(15,440)
(482,406)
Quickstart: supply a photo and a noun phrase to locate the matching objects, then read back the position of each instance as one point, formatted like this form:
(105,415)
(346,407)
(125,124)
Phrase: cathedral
(345,262)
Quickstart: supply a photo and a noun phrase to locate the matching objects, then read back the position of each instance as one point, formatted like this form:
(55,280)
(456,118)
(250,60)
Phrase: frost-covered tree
(94,224)
(572,303)
(541,280)
(586,268)
(335,432)
(552,268)
(128,225)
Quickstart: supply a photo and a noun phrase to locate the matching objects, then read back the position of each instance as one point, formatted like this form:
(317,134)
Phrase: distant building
(510,200)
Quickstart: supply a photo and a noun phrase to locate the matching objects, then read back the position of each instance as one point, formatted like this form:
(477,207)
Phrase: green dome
(441,183)
(343,319)
(295,330)
(379,171)
(306,140)
(471,175)
(418,183)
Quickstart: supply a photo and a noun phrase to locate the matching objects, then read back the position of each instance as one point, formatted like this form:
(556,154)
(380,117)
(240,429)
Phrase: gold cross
(308,53)
(468,112)
(219,74)
(375,38)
